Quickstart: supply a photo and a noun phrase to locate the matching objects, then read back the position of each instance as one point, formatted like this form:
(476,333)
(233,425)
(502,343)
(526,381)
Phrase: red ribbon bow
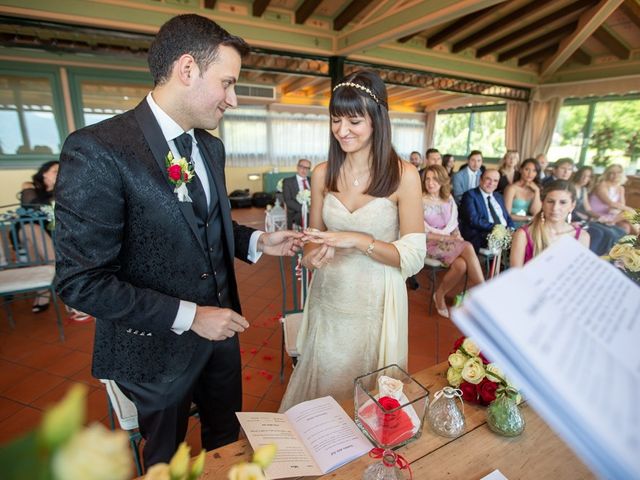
(398,460)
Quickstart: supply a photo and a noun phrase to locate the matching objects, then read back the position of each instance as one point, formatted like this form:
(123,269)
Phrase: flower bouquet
(483,383)
(498,240)
(304,198)
(626,256)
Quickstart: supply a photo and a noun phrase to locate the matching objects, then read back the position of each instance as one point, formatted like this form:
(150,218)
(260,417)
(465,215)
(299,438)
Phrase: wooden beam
(588,23)
(349,13)
(502,42)
(302,83)
(259,6)
(614,45)
(536,42)
(500,24)
(209,4)
(465,23)
(405,39)
(414,16)
(538,56)
(304,11)
(580,56)
(631,8)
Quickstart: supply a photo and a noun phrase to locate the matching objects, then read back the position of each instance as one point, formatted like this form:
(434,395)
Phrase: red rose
(175,172)
(458,344)
(186,177)
(487,391)
(388,403)
(469,392)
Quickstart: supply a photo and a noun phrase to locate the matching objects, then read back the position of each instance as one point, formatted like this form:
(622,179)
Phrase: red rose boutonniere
(180,172)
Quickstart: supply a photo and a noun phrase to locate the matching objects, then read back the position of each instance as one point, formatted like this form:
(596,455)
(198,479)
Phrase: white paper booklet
(313,438)
(566,329)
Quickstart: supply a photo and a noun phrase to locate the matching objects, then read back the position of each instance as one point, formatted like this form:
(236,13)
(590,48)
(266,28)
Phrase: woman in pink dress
(607,199)
(444,242)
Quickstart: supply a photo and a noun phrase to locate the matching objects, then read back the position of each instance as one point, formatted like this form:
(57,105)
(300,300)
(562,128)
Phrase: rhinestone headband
(358,86)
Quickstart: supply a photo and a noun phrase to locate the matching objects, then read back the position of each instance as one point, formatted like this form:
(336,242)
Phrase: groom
(154,267)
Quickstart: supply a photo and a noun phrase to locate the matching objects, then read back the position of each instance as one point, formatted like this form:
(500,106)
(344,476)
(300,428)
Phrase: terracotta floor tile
(258,336)
(249,402)
(97,404)
(45,355)
(12,373)
(267,405)
(420,362)
(256,382)
(21,422)
(266,359)
(69,364)
(32,387)
(8,408)
(84,375)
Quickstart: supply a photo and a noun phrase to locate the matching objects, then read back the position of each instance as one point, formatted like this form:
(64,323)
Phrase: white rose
(453,377)
(95,453)
(159,471)
(473,371)
(246,471)
(457,360)
(494,373)
(470,347)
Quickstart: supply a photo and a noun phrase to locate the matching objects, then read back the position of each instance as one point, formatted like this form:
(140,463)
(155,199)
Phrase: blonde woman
(508,168)
(551,223)
(444,242)
(607,199)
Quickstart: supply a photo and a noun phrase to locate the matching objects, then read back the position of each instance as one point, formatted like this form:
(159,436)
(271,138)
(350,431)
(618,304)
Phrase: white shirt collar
(300,178)
(170,129)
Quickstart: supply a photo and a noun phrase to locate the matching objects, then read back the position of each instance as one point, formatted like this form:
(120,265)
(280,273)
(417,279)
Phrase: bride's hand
(338,239)
(318,257)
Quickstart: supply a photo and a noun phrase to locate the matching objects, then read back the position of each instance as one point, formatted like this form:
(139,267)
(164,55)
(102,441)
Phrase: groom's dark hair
(193,34)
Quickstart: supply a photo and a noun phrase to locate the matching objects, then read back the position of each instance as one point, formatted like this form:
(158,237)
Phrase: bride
(366,237)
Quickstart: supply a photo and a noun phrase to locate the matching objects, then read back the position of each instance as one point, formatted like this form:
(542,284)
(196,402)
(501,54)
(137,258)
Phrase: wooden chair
(294,279)
(27,261)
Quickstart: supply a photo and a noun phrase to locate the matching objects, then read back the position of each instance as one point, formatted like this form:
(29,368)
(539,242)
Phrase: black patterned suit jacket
(127,251)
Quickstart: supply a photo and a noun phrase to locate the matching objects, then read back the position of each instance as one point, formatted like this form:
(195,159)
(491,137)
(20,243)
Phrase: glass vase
(504,416)
(386,469)
(445,418)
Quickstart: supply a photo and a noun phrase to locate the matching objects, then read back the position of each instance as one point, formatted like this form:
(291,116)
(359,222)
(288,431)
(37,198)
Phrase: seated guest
(481,209)
(448,162)
(432,157)
(541,158)
(522,197)
(603,236)
(562,170)
(551,223)
(290,188)
(508,168)
(444,242)
(468,176)
(35,194)
(415,159)
(608,200)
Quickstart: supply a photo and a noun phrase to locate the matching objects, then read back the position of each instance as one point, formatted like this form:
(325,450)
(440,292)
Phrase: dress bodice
(437,216)
(378,217)
(520,206)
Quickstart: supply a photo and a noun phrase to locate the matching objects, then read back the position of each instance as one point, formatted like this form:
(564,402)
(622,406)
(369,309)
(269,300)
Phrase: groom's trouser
(213,381)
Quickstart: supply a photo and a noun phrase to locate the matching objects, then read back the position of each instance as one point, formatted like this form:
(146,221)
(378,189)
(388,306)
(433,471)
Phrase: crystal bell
(444,416)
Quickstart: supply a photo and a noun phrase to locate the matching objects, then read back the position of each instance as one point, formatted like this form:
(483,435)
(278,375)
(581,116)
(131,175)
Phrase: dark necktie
(184,143)
(305,185)
(492,211)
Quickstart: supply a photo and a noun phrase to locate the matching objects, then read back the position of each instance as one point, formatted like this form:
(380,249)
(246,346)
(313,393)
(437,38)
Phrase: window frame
(52,74)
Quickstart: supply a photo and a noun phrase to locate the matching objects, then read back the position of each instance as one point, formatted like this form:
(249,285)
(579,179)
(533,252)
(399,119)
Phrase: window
(599,132)
(102,100)
(29,122)
(478,128)
(407,136)
(244,131)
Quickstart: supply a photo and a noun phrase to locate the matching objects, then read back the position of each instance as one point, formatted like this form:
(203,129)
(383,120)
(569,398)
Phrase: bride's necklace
(356,180)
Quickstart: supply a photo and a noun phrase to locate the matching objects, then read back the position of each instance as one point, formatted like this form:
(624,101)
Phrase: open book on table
(566,329)
(313,438)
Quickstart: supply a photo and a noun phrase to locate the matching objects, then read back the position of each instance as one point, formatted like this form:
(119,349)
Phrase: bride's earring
(542,217)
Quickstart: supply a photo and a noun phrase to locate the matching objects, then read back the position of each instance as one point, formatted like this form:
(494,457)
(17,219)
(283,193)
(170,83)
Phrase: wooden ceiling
(431,52)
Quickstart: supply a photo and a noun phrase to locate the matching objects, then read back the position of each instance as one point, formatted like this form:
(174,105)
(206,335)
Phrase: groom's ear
(185,69)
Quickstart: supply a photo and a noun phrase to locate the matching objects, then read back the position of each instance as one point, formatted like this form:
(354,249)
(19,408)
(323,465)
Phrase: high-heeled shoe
(443,312)
(40,304)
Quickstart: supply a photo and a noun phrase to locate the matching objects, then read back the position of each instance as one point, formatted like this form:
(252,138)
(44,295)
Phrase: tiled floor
(36,368)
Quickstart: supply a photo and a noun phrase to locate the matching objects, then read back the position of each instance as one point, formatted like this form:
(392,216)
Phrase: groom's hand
(215,323)
(281,243)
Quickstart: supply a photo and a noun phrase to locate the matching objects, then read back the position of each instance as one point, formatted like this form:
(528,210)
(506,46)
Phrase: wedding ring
(313,230)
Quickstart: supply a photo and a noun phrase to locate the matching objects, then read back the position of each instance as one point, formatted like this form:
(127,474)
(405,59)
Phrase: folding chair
(294,280)
(27,265)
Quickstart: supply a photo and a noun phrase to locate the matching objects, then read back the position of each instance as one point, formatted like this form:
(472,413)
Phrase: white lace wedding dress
(343,333)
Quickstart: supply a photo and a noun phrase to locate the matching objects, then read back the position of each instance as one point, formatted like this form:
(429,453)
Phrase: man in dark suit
(290,188)
(468,177)
(481,209)
(151,257)
(562,170)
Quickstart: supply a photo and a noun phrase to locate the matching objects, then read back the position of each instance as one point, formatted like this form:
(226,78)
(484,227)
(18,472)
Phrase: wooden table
(537,454)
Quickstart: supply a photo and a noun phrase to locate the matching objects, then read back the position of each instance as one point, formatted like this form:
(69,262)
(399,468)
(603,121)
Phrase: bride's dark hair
(358,94)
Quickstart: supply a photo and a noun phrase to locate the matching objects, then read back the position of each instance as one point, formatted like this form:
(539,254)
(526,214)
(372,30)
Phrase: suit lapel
(159,147)
(214,158)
